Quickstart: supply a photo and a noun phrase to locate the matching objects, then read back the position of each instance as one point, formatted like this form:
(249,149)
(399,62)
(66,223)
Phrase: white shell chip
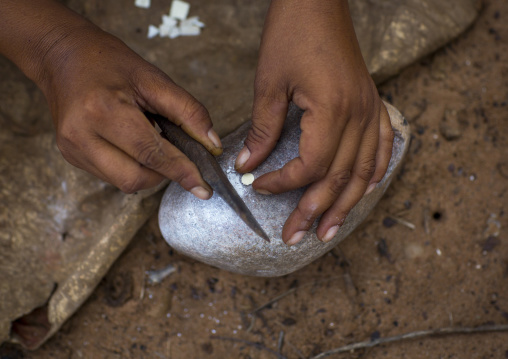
(194,21)
(189,30)
(175,32)
(145,4)
(247,179)
(152,31)
(179,9)
(170,21)
(165,30)
(176,23)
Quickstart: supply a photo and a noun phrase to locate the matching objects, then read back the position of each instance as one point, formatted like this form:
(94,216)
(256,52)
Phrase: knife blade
(210,170)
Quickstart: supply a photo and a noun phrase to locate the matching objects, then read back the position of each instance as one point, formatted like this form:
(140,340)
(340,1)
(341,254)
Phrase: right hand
(98,89)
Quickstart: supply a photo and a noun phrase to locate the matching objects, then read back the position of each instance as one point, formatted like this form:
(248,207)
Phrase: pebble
(449,126)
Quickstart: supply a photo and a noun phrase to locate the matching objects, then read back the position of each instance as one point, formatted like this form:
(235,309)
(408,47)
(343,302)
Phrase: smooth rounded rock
(209,231)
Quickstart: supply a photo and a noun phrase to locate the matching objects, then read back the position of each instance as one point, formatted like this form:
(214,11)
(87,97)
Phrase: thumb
(268,116)
(166,98)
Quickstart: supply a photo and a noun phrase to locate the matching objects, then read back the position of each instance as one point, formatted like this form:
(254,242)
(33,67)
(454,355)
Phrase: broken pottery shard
(209,231)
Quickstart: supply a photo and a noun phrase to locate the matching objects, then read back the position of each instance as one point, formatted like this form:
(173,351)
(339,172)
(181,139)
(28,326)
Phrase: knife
(210,170)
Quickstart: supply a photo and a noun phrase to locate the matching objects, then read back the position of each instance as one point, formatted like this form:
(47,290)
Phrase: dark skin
(98,89)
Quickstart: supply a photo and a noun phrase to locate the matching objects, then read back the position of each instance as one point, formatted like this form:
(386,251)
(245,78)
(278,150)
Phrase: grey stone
(209,231)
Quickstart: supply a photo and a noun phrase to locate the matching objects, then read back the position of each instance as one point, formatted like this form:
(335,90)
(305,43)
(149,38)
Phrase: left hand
(309,54)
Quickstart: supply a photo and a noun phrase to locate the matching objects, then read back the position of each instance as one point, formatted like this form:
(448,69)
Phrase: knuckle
(94,102)
(318,171)
(259,133)
(67,132)
(194,112)
(183,174)
(315,171)
(366,169)
(150,154)
(180,174)
(338,182)
(70,140)
(307,214)
(66,152)
(303,175)
(264,84)
(389,135)
(131,184)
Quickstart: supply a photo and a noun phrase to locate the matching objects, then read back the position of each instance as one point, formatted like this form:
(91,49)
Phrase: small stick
(252,322)
(300,354)
(412,335)
(404,222)
(143,284)
(426,220)
(281,341)
(252,344)
(273,300)
(168,349)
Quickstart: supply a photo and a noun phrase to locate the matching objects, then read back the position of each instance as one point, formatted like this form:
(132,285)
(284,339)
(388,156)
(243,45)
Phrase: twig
(143,284)
(426,221)
(412,335)
(281,341)
(252,344)
(297,351)
(285,294)
(404,222)
(252,323)
(279,297)
(274,300)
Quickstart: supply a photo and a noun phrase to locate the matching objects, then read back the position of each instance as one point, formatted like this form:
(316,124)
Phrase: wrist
(59,50)
(31,32)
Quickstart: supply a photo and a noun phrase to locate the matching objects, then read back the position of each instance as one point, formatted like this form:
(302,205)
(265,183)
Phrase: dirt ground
(450,270)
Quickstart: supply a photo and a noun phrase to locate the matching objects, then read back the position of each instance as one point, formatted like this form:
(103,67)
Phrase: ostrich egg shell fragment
(247,179)
(179,10)
(152,31)
(211,232)
(144,4)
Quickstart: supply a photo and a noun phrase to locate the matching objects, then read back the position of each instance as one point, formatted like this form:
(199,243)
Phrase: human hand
(98,89)
(309,54)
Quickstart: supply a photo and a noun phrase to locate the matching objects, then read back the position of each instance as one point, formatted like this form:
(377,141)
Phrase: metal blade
(210,170)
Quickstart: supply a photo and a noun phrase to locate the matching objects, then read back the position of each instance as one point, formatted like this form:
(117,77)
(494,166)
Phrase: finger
(319,140)
(384,152)
(268,118)
(112,165)
(361,175)
(162,96)
(322,194)
(134,135)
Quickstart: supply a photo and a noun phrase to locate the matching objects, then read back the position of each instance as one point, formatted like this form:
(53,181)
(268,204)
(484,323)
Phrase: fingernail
(371,188)
(242,158)
(330,234)
(200,192)
(214,137)
(297,237)
(263,191)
